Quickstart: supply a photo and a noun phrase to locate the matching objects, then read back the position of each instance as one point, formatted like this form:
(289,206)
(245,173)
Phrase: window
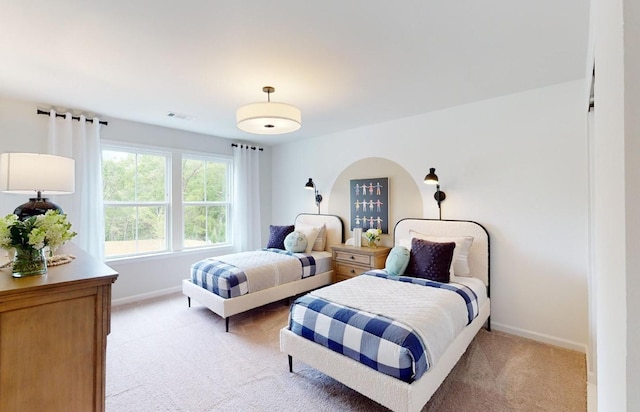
(140,216)
(136,201)
(205,201)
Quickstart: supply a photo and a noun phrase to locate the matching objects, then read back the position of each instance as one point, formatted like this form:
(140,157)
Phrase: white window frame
(167,203)
(227,203)
(174,213)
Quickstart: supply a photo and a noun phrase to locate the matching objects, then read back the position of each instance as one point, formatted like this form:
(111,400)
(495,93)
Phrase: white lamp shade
(32,172)
(268,118)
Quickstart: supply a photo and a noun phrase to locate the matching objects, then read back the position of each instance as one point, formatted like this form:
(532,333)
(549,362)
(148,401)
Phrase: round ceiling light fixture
(268,117)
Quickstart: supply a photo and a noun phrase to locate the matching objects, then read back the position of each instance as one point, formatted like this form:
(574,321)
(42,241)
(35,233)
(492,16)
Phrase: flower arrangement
(51,229)
(373,236)
(30,236)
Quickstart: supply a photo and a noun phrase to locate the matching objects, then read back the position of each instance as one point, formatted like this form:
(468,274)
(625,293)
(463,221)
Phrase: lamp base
(35,206)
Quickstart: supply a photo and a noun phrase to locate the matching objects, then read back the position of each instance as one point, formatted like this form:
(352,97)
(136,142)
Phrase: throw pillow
(321,239)
(430,260)
(277,235)
(397,261)
(310,232)
(295,242)
(460,260)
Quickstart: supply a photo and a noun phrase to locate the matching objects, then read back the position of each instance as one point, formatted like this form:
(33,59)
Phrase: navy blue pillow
(430,260)
(277,235)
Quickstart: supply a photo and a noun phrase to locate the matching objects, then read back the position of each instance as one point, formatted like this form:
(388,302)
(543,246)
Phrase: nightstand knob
(352,257)
(353,271)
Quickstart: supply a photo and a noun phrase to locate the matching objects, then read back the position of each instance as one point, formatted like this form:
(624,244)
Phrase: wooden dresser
(53,336)
(350,261)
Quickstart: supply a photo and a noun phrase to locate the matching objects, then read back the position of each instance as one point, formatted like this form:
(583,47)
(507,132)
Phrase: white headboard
(479,252)
(335,228)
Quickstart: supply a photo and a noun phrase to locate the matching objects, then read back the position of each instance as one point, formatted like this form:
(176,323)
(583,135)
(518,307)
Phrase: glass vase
(29,262)
(372,243)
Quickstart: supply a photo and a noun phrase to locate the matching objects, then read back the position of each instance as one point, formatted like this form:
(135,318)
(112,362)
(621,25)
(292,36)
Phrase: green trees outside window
(138,206)
(135,202)
(205,197)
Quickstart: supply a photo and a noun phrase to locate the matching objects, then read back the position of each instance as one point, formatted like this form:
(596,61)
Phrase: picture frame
(369,203)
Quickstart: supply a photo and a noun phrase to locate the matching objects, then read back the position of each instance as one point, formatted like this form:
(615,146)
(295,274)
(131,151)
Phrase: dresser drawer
(353,257)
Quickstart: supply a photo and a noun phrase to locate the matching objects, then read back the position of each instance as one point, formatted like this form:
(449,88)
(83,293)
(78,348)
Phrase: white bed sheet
(324,262)
(474,284)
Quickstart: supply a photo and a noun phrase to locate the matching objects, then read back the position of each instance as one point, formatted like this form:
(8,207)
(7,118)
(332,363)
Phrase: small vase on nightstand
(372,243)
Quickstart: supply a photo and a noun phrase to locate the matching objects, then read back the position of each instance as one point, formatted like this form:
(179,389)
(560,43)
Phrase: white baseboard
(540,337)
(592,397)
(145,296)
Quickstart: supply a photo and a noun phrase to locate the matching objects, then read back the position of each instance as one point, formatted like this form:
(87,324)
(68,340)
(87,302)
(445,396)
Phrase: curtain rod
(248,147)
(73,117)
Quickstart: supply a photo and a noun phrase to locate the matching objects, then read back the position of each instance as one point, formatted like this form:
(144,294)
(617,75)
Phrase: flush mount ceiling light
(268,117)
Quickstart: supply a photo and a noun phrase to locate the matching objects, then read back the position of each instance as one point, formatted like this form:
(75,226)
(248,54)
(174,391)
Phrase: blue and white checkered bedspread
(228,281)
(384,344)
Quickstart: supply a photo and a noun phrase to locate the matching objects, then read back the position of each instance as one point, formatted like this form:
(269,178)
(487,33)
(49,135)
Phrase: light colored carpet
(164,356)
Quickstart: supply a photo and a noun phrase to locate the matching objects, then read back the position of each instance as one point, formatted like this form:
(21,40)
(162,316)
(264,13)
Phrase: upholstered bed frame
(388,391)
(226,308)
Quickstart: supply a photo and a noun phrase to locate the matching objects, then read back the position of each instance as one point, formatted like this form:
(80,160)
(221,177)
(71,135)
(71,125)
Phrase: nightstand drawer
(345,270)
(350,261)
(353,257)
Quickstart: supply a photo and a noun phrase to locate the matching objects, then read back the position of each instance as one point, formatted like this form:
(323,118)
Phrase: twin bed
(393,339)
(392,373)
(276,274)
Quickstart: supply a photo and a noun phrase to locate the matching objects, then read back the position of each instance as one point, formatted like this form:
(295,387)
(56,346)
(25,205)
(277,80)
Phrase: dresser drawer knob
(352,271)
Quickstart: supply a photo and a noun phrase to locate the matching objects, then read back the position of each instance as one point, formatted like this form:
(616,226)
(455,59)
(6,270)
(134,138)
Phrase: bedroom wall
(21,129)
(516,164)
(615,33)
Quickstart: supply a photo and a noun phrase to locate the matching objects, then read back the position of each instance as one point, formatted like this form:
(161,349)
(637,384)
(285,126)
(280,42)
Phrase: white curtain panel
(80,140)
(246,198)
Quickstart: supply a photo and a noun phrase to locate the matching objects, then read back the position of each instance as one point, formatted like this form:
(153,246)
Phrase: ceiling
(345,64)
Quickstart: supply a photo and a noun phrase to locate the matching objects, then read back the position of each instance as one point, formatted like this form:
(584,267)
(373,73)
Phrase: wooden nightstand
(349,261)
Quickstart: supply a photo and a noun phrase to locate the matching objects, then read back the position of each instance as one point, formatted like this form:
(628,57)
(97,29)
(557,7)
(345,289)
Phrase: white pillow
(405,242)
(310,232)
(460,260)
(321,239)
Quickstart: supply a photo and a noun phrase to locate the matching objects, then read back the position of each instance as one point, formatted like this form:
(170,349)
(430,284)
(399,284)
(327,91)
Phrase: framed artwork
(370,203)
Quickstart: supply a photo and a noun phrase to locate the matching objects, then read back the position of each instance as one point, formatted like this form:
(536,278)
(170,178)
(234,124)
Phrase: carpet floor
(165,356)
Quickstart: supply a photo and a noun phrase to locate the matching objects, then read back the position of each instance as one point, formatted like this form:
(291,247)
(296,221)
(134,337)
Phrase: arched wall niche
(405,199)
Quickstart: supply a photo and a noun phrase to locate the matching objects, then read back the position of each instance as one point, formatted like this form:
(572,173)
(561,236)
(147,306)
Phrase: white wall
(21,129)
(517,164)
(632,195)
(615,31)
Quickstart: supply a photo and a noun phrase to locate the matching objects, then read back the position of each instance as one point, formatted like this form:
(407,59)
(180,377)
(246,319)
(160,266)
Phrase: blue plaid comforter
(228,281)
(382,343)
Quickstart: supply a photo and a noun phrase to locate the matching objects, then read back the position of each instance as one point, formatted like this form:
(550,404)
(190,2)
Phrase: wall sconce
(26,173)
(312,186)
(440,196)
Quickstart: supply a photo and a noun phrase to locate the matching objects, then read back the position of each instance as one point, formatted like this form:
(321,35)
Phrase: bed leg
(290,363)
(226,321)
(489,324)
(188,301)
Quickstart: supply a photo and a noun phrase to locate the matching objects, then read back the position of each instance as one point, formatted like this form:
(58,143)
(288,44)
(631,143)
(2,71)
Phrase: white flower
(51,229)
(373,235)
